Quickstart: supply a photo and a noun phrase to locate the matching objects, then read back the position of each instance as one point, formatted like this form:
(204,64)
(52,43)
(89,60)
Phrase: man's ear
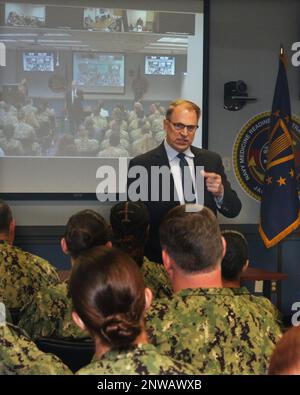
(108,244)
(148,298)
(166,261)
(224,246)
(245,267)
(77,320)
(166,125)
(11,231)
(63,245)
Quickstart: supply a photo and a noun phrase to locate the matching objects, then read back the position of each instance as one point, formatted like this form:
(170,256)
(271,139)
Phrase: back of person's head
(236,256)
(21,115)
(286,357)
(9,131)
(82,132)
(28,101)
(192,239)
(146,128)
(108,293)
(44,129)
(84,230)
(114,139)
(130,223)
(116,127)
(117,113)
(100,104)
(43,104)
(5,217)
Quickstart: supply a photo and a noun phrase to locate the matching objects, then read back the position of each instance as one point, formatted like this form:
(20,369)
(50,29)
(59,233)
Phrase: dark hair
(5,217)
(130,222)
(85,230)
(192,239)
(236,254)
(9,130)
(114,139)
(108,293)
(179,102)
(286,357)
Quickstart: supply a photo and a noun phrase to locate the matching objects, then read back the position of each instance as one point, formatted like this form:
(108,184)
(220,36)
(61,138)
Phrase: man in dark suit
(177,153)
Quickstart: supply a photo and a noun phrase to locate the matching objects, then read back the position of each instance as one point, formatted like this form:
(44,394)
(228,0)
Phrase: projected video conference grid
(90,102)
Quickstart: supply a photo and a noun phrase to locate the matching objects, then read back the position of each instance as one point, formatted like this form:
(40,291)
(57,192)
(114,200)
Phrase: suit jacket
(211,162)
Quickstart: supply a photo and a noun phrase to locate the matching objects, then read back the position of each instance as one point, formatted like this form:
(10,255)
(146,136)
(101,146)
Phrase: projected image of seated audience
(24,15)
(79,82)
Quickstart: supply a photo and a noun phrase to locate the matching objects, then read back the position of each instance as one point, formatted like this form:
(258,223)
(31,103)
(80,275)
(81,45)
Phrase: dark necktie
(186,178)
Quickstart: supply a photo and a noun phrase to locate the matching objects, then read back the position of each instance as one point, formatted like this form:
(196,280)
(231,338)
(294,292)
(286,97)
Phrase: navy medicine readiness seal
(250,152)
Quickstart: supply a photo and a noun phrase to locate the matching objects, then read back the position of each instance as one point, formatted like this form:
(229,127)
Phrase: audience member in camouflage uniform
(86,146)
(21,273)
(49,313)
(141,359)
(145,142)
(110,299)
(234,263)
(211,327)
(19,355)
(115,150)
(9,144)
(130,226)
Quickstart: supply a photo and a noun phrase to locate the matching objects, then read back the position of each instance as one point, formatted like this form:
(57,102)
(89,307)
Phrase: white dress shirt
(176,172)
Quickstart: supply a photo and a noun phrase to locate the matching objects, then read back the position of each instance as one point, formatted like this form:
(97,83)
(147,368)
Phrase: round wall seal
(250,152)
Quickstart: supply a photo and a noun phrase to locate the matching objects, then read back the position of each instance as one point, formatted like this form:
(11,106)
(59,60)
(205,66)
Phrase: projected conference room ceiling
(37,38)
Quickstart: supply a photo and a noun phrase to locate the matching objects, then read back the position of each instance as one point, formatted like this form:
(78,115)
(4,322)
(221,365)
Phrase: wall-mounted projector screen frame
(75,178)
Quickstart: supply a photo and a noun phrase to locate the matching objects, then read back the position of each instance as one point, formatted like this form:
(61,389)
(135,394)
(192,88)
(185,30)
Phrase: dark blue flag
(279,211)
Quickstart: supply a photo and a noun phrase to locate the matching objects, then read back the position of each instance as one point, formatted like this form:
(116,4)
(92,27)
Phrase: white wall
(192,81)
(245,38)
(133,16)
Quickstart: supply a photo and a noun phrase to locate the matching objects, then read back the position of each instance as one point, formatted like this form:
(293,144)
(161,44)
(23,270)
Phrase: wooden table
(269,279)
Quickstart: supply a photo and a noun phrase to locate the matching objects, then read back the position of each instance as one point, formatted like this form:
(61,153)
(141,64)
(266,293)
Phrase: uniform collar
(118,354)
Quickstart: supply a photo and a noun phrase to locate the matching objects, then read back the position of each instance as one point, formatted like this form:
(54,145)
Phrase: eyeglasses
(181,126)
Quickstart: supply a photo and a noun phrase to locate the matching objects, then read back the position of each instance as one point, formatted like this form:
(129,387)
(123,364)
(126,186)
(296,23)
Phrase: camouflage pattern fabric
(22,275)
(49,315)
(143,359)
(49,312)
(123,134)
(123,143)
(86,145)
(264,303)
(113,152)
(216,330)
(19,355)
(11,146)
(156,279)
